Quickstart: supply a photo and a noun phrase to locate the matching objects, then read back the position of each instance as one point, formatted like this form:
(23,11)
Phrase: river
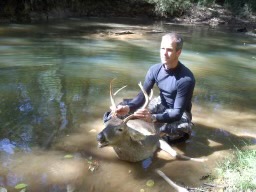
(54,89)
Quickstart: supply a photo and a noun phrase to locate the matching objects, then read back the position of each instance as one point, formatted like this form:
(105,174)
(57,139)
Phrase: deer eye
(120,129)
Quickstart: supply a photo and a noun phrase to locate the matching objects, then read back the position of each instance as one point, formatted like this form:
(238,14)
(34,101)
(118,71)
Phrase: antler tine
(151,94)
(143,107)
(120,89)
(113,105)
(146,96)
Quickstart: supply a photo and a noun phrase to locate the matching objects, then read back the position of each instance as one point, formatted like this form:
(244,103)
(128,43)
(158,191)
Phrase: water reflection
(54,89)
(7,146)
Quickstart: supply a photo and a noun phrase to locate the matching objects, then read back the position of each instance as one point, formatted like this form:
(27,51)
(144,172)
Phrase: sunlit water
(54,89)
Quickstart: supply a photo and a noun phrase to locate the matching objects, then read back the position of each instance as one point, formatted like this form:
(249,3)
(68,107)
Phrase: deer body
(130,144)
(133,151)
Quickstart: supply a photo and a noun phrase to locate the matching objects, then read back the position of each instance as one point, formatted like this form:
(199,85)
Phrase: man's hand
(143,114)
(122,110)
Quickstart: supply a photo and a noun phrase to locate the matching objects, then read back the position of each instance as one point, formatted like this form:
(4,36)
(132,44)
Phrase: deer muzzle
(102,142)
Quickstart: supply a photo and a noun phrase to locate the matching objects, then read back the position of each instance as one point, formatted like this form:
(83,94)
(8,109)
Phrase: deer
(135,140)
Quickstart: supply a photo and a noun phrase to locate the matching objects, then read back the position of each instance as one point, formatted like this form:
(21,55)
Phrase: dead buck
(134,139)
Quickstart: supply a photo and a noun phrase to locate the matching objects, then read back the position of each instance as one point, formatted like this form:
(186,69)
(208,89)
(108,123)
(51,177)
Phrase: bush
(165,8)
(239,6)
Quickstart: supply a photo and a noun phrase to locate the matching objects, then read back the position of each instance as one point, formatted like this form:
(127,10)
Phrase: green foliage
(243,7)
(252,4)
(236,6)
(204,2)
(239,172)
(22,9)
(166,8)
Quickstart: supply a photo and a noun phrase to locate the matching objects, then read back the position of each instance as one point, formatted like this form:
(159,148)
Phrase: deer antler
(113,105)
(145,104)
(146,96)
(120,89)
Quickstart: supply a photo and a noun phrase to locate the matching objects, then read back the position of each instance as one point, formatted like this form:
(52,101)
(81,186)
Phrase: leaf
(21,186)
(68,156)
(93,165)
(150,183)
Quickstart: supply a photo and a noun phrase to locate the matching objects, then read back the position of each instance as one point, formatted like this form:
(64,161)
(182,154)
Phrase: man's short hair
(177,38)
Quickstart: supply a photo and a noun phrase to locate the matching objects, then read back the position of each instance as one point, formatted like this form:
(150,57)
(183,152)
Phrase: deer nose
(101,137)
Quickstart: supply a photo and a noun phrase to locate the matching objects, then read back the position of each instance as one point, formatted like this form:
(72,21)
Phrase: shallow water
(54,89)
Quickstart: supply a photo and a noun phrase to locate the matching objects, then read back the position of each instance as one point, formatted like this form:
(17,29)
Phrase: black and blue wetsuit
(176,88)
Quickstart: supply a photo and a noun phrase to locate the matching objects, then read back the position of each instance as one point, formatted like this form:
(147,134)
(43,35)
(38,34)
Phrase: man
(176,85)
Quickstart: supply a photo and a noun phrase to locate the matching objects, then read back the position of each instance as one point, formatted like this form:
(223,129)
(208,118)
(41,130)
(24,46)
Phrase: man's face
(168,53)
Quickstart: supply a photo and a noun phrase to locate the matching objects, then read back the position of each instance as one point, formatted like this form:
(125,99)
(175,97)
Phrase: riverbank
(212,15)
(216,15)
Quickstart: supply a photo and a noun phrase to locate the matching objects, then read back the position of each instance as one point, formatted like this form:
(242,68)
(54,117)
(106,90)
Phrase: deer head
(116,129)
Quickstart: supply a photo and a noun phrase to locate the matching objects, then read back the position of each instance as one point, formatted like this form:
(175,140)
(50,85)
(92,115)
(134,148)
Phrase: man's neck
(171,65)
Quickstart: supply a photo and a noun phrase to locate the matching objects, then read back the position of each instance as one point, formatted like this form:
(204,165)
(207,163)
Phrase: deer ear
(136,135)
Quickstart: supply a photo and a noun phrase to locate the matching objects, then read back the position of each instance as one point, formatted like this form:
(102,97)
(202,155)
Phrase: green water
(55,81)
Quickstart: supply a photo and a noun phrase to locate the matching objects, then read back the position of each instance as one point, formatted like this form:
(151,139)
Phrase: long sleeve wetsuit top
(176,88)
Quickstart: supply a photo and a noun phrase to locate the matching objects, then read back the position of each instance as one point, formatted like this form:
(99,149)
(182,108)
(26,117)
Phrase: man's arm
(182,99)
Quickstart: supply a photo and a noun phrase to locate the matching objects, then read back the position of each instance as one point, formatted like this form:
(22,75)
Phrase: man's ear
(178,52)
